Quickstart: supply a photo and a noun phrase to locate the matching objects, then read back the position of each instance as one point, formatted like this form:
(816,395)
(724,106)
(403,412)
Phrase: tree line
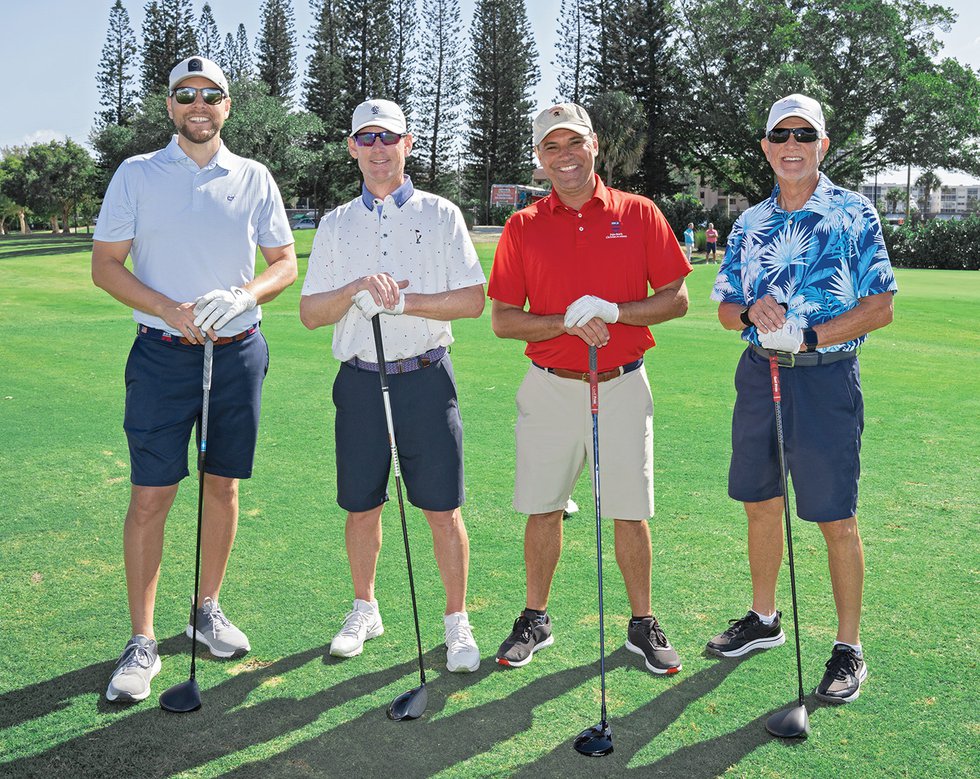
(678,91)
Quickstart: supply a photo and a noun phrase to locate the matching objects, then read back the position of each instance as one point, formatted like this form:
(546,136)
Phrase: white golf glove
(364,300)
(220,306)
(787,338)
(589,307)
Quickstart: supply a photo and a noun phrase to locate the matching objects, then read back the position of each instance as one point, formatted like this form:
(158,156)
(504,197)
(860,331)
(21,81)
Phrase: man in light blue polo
(190,215)
(403,253)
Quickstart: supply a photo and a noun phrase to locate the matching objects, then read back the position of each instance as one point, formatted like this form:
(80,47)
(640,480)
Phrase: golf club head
(789,723)
(595,741)
(409,705)
(181,698)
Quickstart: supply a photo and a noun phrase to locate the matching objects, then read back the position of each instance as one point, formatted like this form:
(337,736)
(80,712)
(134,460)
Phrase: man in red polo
(575,270)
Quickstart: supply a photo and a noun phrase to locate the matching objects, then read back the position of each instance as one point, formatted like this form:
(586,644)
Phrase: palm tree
(892,196)
(929,182)
(621,126)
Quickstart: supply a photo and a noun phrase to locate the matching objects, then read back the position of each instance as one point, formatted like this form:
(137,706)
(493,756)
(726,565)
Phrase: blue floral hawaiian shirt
(819,260)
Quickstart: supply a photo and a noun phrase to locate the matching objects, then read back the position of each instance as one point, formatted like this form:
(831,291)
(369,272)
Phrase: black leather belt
(803,359)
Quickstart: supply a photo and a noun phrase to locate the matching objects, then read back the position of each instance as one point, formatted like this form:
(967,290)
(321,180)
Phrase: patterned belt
(805,359)
(163,335)
(614,373)
(406,365)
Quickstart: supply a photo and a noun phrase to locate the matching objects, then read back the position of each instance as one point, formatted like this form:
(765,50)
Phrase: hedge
(936,243)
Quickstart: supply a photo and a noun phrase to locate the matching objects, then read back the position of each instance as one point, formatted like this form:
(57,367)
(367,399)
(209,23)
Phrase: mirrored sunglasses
(802,134)
(387,137)
(187,95)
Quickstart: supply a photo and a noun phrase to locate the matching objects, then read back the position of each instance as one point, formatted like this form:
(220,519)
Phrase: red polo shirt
(617,248)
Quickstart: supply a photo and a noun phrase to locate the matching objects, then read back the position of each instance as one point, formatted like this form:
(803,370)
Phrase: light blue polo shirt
(193,229)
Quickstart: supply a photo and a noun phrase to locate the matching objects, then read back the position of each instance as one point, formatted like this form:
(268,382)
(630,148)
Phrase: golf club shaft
(201,458)
(594,401)
(776,399)
(376,324)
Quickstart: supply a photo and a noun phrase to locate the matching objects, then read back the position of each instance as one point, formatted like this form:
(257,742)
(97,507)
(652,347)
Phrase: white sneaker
(137,666)
(361,623)
(462,653)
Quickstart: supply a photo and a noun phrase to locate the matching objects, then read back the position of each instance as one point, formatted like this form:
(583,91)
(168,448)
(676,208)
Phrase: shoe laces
(135,656)
(216,616)
(657,635)
(525,626)
(738,625)
(459,637)
(353,623)
(843,663)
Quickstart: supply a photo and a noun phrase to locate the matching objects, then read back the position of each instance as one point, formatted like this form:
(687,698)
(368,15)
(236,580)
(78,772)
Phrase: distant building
(947,202)
(732,205)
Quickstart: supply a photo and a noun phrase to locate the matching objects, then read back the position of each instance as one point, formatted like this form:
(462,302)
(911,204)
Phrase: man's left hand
(216,309)
(787,338)
(587,308)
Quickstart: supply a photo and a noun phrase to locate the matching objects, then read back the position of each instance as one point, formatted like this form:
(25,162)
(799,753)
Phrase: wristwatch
(744,316)
(810,339)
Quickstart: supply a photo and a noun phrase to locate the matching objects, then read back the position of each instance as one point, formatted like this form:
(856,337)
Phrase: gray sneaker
(138,664)
(215,631)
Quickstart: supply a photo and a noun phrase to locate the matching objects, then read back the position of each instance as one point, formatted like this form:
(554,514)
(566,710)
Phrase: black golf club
(186,696)
(793,722)
(410,704)
(597,740)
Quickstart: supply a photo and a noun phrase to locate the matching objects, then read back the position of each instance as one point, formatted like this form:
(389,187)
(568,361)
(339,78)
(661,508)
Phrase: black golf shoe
(645,637)
(841,682)
(746,634)
(527,637)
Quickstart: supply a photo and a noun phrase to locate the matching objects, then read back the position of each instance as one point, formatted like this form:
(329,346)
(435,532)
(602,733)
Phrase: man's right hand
(180,317)
(369,307)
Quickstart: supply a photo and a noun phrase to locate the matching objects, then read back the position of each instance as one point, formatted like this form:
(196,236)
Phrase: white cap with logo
(564,116)
(197,66)
(379,113)
(800,106)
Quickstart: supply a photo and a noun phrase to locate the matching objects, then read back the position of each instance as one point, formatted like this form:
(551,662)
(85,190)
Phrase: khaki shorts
(554,443)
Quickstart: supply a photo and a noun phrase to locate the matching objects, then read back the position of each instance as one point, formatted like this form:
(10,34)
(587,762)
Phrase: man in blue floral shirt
(806,274)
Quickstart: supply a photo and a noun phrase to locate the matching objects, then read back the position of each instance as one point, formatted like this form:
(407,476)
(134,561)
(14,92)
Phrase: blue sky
(51,49)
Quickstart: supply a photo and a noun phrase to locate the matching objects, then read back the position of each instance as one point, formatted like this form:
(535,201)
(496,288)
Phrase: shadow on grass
(43,245)
(153,743)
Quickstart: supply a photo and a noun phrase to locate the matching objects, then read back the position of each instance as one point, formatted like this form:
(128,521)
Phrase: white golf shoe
(363,622)
(462,653)
(137,666)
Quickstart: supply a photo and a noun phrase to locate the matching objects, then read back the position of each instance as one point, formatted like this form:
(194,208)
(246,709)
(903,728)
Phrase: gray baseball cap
(800,106)
(198,66)
(564,116)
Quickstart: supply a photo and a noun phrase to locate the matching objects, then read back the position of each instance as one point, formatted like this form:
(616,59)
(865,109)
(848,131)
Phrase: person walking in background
(191,215)
(572,271)
(689,241)
(710,244)
(405,254)
(806,276)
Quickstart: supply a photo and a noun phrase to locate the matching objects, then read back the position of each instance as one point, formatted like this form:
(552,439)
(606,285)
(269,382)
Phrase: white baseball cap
(380,113)
(564,116)
(197,66)
(801,106)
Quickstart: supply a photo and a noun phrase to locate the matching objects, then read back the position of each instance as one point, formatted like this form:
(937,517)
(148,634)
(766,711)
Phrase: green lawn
(289,709)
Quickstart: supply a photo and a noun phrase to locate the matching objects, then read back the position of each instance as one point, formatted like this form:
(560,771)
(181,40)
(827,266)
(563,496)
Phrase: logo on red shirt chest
(616,230)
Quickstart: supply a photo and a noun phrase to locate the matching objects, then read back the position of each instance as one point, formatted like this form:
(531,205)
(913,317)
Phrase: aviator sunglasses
(187,95)
(802,134)
(387,137)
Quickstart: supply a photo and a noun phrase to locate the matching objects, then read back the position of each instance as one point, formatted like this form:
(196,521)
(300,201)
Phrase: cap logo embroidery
(375,110)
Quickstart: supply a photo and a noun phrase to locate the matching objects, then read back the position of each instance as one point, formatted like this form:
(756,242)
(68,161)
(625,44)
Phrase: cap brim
(812,121)
(575,127)
(390,126)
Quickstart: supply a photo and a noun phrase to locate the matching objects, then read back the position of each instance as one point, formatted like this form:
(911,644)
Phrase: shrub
(936,243)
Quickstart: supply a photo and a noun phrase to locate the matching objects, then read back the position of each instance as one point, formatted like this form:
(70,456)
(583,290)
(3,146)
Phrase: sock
(534,615)
(763,618)
(635,620)
(855,647)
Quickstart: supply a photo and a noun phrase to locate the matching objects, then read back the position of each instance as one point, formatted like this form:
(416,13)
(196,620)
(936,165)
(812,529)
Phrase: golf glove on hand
(364,300)
(587,308)
(788,338)
(220,306)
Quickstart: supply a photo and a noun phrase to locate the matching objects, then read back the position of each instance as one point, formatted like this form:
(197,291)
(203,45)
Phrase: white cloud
(38,136)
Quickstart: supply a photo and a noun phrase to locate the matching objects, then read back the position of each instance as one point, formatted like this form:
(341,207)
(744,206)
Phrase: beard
(198,133)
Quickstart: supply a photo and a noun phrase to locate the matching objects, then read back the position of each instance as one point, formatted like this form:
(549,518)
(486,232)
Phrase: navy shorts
(164,395)
(823,418)
(428,434)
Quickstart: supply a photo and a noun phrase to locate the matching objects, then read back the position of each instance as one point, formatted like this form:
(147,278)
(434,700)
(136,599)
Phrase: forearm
(871,313)
(274,279)
(513,322)
(116,279)
(464,303)
(327,308)
(665,304)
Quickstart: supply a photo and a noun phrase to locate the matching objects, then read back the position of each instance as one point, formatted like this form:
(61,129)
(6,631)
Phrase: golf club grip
(774,377)
(208,365)
(594,379)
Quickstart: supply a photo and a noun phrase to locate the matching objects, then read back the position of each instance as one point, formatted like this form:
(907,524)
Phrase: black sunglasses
(802,134)
(187,95)
(387,137)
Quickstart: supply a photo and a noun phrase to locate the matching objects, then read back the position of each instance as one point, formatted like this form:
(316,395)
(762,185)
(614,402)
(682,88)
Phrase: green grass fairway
(290,710)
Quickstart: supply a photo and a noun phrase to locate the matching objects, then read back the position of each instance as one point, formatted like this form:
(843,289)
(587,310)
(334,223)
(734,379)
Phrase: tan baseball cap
(564,116)
(198,66)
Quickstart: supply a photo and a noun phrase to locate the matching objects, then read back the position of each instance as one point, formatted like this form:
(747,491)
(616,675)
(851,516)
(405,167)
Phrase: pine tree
(237,59)
(208,38)
(115,77)
(370,51)
(325,89)
(502,77)
(404,24)
(576,36)
(439,87)
(276,47)
(168,37)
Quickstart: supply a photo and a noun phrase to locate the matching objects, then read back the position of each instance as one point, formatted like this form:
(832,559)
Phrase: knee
(843,532)
(221,488)
(148,506)
(445,521)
